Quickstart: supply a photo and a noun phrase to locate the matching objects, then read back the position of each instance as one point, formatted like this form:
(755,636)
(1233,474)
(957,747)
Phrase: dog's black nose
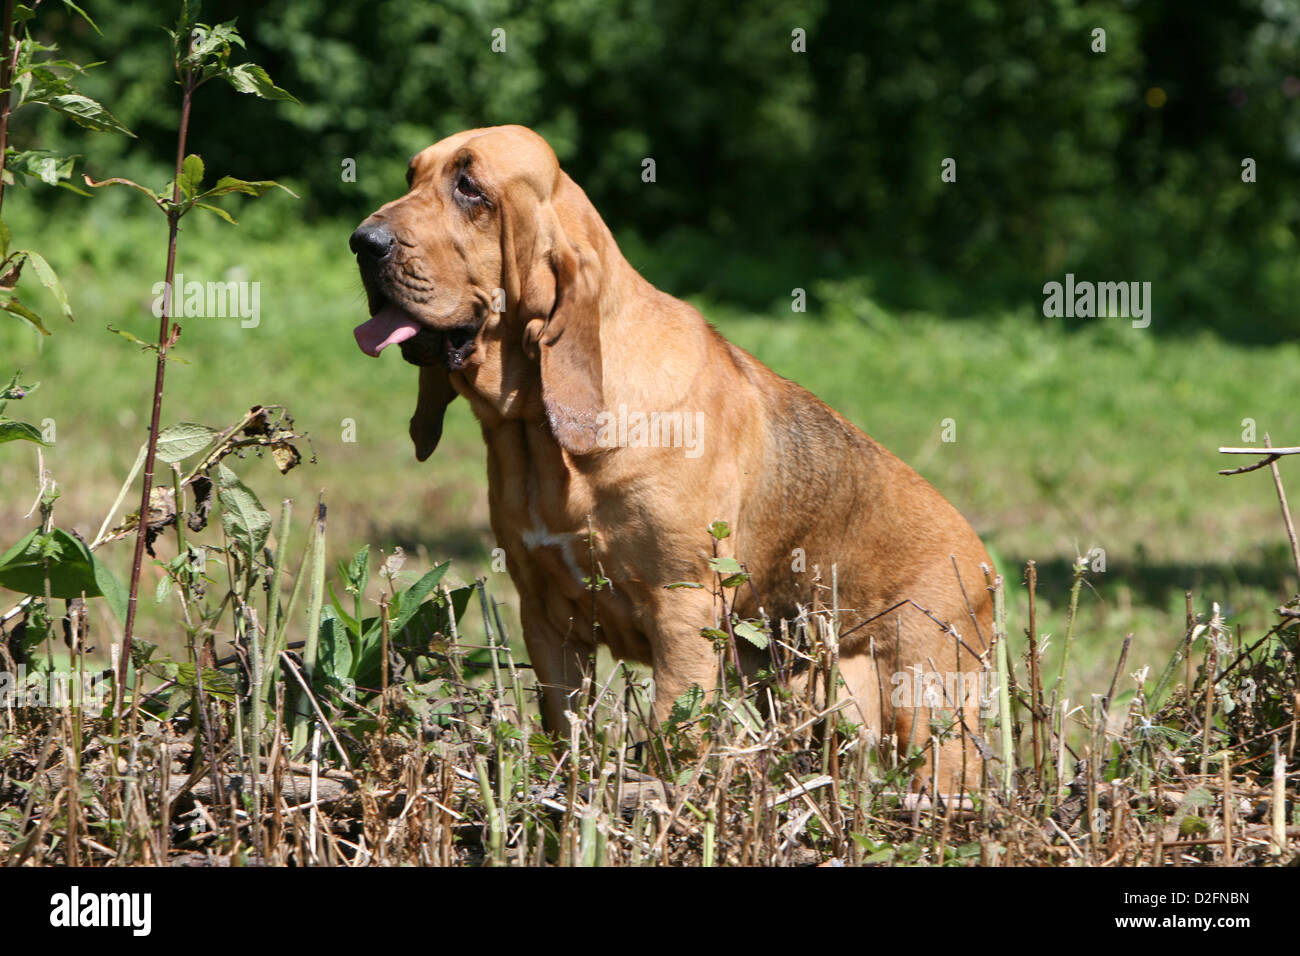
(373,241)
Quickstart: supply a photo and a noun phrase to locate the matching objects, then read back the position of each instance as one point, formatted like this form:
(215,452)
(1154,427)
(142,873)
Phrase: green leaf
(251,78)
(142,652)
(36,629)
(682,584)
(191,175)
(506,733)
(725,565)
(358,572)
(687,706)
(720,530)
(48,166)
(209,41)
(366,663)
(752,633)
(19,431)
(229,184)
(218,210)
(178,701)
(242,515)
(735,580)
(334,651)
(49,279)
(72,187)
(4,240)
(216,683)
(118,181)
(83,14)
(86,112)
(177,442)
(111,588)
(133,339)
(150,346)
(416,593)
(71,566)
(10,304)
(541,745)
(715,634)
(37,82)
(429,618)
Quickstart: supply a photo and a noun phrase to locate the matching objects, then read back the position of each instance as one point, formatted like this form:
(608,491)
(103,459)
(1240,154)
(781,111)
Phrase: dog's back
(830,496)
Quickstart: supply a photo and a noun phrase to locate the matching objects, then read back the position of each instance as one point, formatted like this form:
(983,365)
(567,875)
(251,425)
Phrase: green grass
(1103,436)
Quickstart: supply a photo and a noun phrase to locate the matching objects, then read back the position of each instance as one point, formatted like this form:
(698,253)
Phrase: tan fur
(582,332)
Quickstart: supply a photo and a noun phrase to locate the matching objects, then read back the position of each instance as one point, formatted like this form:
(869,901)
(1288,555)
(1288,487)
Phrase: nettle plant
(226,577)
(201,53)
(47,562)
(31,74)
(351,661)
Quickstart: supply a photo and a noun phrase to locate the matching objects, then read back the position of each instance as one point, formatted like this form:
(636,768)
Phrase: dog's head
(492,240)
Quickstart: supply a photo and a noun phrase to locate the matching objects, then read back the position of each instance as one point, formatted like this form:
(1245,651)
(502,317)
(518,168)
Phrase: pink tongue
(389,326)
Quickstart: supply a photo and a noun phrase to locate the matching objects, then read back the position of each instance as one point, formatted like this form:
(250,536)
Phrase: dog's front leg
(682,657)
(558,664)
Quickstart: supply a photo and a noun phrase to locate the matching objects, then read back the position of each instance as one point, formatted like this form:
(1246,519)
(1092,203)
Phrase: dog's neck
(503,381)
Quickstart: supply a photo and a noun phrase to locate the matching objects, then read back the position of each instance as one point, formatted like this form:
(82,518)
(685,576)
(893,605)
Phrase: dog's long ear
(570,355)
(435,395)
(559,272)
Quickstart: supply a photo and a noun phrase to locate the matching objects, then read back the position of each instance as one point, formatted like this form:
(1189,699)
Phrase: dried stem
(1286,512)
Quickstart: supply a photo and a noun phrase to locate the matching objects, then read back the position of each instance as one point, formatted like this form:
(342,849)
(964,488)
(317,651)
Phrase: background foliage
(1117,165)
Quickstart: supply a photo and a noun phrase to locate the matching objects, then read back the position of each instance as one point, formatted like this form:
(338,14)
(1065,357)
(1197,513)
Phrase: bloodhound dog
(620,425)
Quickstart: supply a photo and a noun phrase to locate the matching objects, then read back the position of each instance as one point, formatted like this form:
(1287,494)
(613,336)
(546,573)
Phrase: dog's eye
(468,191)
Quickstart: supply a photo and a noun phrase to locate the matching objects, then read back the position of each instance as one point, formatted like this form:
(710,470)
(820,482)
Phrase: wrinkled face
(432,261)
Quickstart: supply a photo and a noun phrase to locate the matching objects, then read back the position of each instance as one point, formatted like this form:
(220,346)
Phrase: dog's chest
(560,541)
(559,552)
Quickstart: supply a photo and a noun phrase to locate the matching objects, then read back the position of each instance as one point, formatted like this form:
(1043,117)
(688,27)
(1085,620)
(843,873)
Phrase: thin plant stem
(9,52)
(165,338)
